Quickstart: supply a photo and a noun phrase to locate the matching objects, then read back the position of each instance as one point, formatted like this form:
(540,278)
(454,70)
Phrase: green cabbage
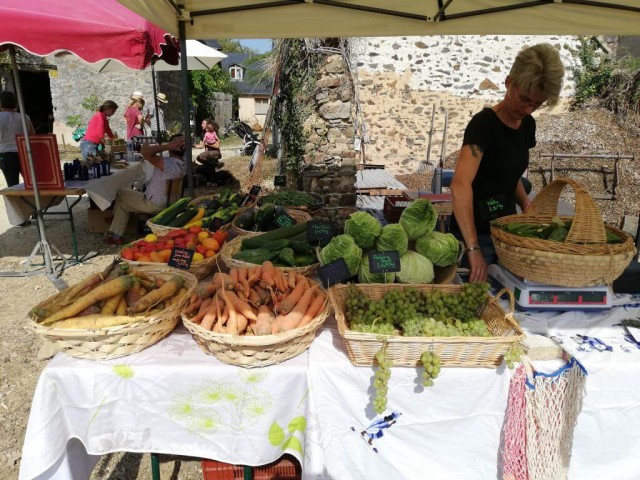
(342,246)
(365,275)
(392,237)
(418,218)
(441,248)
(364,228)
(414,268)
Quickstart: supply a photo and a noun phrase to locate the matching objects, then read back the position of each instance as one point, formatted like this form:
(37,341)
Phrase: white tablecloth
(101,190)
(171,398)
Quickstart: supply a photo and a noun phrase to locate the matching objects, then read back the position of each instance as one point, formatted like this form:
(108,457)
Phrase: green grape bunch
(512,356)
(432,364)
(381,379)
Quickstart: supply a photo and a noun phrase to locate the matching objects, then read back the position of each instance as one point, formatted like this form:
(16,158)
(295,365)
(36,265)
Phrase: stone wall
(76,80)
(329,160)
(401,79)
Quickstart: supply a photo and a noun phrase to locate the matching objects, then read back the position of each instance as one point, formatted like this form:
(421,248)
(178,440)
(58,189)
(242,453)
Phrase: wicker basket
(584,259)
(234,246)
(406,351)
(297,215)
(162,230)
(114,342)
(257,351)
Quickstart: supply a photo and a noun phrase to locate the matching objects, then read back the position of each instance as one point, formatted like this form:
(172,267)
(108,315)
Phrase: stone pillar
(330,159)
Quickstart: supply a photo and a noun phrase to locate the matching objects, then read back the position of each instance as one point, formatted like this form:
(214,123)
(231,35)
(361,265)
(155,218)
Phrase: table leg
(74,238)
(155,467)
(248,472)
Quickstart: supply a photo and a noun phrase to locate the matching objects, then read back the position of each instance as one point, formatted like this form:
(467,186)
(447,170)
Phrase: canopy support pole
(186,110)
(155,99)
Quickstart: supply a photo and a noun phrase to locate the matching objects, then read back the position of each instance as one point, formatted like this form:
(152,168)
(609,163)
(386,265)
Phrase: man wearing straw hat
(161,101)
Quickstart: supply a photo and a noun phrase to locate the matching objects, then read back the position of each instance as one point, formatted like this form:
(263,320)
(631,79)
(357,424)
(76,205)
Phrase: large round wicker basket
(584,258)
(257,351)
(297,215)
(234,246)
(114,342)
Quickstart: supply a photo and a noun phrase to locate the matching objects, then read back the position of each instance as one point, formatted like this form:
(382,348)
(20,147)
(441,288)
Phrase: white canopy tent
(360,18)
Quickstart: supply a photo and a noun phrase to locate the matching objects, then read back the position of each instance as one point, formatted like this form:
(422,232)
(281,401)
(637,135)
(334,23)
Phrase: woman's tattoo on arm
(476,151)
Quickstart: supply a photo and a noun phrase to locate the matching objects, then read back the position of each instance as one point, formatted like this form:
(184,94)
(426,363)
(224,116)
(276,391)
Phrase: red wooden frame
(46,160)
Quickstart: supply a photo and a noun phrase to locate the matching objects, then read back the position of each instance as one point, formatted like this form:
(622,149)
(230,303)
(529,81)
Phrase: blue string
(558,373)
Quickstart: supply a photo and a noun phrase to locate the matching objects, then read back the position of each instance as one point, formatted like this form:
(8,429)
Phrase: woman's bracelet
(472,248)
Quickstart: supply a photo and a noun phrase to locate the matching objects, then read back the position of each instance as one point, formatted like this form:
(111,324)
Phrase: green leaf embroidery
(298,423)
(294,444)
(276,434)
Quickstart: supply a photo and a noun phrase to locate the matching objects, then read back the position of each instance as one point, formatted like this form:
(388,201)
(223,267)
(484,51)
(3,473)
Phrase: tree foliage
(203,84)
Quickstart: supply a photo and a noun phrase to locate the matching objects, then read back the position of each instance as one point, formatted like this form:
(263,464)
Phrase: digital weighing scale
(538,296)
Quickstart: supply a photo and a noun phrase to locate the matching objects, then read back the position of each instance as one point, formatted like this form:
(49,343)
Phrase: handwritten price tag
(284,220)
(255,190)
(384,262)
(334,272)
(280,181)
(320,231)
(181,258)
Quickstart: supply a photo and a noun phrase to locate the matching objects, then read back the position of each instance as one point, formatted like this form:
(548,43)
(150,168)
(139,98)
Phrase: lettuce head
(345,247)
(441,248)
(364,228)
(393,237)
(414,268)
(418,218)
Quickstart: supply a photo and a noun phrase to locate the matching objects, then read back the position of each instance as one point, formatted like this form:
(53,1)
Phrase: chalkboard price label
(384,262)
(255,190)
(280,181)
(181,257)
(334,272)
(283,219)
(320,231)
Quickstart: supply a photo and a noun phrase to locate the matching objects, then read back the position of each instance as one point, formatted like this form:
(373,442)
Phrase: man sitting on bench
(154,198)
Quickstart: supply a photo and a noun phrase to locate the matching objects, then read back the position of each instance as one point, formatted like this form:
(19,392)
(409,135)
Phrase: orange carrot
(254,275)
(210,317)
(314,308)
(242,323)
(265,319)
(254,298)
(204,308)
(194,306)
(232,322)
(241,306)
(290,301)
(265,296)
(242,278)
(233,273)
(291,277)
(268,271)
(222,280)
(293,318)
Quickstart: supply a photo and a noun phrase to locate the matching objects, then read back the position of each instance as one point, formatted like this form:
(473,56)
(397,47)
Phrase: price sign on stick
(280,181)
(320,231)
(334,272)
(284,220)
(181,257)
(384,262)
(255,190)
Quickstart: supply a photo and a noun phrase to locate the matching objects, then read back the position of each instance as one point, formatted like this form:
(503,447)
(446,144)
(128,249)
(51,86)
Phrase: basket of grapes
(462,324)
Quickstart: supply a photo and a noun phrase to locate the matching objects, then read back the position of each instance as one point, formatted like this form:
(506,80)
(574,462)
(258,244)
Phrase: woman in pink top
(98,127)
(135,119)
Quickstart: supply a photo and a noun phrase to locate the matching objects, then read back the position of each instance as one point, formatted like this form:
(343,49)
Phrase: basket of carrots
(119,311)
(258,316)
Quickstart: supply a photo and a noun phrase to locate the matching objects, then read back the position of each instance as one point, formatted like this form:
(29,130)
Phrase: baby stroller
(249,138)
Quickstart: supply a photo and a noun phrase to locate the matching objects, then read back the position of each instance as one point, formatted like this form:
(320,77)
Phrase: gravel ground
(22,355)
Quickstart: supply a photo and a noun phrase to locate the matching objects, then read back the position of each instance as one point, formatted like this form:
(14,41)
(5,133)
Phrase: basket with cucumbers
(266,218)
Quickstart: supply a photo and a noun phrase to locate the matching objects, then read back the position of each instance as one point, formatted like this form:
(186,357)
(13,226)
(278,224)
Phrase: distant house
(254,88)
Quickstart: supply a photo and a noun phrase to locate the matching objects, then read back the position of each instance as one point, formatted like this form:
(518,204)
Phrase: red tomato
(195,229)
(201,249)
(127,253)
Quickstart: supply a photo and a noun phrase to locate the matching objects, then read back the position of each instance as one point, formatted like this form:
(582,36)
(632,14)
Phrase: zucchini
(265,215)
(286,256)
(171,212)
(183,218)
(255,255)
(245,219)
(279,234)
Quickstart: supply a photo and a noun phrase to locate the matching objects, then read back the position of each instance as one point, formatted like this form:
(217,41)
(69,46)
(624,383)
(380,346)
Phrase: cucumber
(279,234)
(301,247)
(171,212)
(304,260)
(286,256)
(255,255)
(275,245)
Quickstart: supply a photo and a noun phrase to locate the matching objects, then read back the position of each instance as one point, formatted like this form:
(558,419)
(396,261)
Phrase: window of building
(261,106)
(236,73)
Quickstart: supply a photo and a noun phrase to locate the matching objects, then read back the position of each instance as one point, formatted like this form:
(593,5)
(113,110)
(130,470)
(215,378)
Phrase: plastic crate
(285,468)
(393,207)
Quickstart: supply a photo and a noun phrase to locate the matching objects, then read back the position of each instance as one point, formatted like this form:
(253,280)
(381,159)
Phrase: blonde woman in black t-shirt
(487,181)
